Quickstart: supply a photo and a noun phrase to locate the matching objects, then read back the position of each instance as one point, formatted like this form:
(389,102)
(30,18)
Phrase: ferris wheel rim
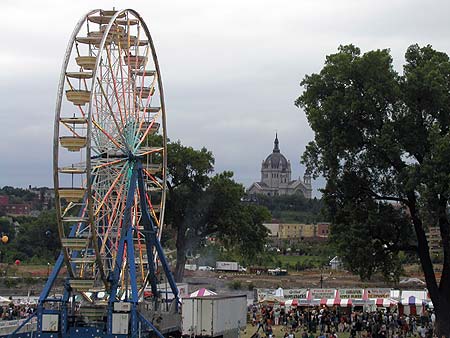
(88,155)
(56,126)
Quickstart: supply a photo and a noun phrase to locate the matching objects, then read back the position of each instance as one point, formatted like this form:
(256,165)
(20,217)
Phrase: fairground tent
(202,293)
(413,302)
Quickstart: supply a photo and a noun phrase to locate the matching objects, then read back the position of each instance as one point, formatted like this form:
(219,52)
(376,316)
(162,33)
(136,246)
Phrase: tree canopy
(382,142)
(36,239)
(200,206)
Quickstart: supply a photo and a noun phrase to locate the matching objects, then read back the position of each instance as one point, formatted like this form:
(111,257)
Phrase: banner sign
(322,293)
(261,294)
(351,293)
(295,293)
(378,293)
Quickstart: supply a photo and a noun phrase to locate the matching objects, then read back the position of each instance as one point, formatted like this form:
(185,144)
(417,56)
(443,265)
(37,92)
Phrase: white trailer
(190,267)
(227,266)
(214,316)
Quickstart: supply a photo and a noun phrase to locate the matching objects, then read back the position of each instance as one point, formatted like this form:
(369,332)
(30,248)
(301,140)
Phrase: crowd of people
(16,311)
(323,322)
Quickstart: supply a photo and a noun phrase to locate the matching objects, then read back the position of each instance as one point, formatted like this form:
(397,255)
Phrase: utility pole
(321,278)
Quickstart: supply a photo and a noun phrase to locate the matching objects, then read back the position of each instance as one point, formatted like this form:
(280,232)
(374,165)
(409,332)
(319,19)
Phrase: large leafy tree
(37,239)
(200,205)
(382,142)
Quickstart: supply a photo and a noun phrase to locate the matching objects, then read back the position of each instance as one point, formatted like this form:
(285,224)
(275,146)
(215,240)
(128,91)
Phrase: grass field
(302,260)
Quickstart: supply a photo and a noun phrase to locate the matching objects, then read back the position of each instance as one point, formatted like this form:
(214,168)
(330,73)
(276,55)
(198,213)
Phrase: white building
(276,177)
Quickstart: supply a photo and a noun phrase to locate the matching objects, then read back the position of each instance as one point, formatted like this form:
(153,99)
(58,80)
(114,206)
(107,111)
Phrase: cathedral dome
(276,160)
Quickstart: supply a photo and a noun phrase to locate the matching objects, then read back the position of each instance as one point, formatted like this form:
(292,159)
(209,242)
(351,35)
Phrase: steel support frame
(126,243)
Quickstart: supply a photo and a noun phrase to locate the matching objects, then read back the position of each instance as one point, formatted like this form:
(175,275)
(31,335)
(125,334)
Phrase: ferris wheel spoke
(113,184)
(111,112)
(114,218)
(149,129)
(153,179)
(72,130)
(109,163)
(152,210)
(118,209)
(122,78)
(123,116)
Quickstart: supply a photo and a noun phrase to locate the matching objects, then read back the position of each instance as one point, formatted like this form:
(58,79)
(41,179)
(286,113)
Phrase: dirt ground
(229,282)
(304,279)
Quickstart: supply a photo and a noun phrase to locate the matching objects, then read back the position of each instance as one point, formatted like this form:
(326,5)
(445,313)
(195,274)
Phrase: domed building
(276,177)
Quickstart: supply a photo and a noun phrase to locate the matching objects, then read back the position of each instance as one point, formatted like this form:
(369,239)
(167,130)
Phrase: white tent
(279,293)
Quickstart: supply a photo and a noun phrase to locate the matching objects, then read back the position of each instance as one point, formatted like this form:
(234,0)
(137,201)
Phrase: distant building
(296,231)
(19,209)
(323,230)
(45,197)
(276,177)
(291,233)
(14,209)
(4,200)
(273,228)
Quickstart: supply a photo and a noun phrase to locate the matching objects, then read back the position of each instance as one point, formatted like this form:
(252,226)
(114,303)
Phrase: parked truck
(214,316)
(229,266)
(190,267)
(277,272)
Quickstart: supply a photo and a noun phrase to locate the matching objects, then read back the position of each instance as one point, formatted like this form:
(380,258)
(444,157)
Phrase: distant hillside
(291,208)
(13,199)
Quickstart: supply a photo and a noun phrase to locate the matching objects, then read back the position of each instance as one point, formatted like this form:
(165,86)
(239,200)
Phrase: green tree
(36,239)
(382,142)
(6,228)
(199,206)
(290,208)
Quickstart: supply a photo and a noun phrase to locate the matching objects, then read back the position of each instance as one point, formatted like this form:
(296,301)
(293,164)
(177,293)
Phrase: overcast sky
(231,70)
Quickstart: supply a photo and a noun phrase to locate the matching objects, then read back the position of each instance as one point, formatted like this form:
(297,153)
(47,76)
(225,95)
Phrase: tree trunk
(181,253)
(442,325)
(440,295)
(179,269)
(442,310)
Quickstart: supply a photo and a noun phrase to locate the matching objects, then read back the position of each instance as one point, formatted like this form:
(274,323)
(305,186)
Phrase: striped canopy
(202,293)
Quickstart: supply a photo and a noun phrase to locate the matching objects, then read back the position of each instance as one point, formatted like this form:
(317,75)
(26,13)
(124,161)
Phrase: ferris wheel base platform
(78,332)
(85,332)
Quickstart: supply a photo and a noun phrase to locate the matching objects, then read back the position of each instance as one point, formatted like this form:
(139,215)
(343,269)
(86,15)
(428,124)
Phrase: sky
(231,70)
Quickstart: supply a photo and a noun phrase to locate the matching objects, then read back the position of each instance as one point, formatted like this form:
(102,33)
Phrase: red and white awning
(345,303)
(335,302)
(291,302)
(202,292)
(385,302)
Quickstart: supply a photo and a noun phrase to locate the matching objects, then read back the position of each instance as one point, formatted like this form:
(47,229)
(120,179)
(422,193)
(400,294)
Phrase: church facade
(276,177)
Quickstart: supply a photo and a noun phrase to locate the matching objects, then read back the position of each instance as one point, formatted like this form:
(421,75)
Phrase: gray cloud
(231,70)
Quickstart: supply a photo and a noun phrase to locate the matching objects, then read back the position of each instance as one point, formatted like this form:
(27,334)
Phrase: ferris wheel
(109,154)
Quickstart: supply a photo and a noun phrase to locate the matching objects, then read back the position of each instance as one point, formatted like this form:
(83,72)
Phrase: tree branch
(387,198)
(390,198)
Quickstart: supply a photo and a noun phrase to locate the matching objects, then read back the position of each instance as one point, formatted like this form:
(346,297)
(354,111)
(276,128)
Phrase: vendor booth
(413,302)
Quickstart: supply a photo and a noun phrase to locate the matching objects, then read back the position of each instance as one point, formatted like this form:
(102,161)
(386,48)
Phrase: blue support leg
(153,240)
(125,236)
(148,324)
